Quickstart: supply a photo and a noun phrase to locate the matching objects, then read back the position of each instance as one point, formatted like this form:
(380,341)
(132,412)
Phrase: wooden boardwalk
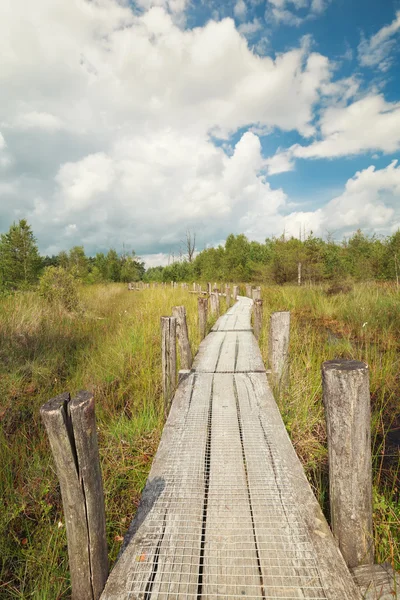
(227,511)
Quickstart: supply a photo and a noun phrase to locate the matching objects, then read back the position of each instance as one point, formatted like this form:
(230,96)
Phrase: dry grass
(111,347)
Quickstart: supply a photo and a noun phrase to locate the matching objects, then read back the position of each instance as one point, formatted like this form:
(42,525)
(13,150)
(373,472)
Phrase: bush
(58,286)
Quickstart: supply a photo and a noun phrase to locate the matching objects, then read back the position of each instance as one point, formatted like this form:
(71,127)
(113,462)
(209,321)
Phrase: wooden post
(209,288)
(278,348)
(71,428)
(256,293)
(202,305)
(235,292)
(347,405)
(214,303)
(179,312)
(257,315)
(299,274)
(168,349)
(228,296)
(248,290)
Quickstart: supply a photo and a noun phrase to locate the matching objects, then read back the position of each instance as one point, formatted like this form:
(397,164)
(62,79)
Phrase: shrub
(58,286)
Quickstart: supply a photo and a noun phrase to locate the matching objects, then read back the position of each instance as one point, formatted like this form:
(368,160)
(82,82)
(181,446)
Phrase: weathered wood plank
(230,567)
(334,575)
(135,568)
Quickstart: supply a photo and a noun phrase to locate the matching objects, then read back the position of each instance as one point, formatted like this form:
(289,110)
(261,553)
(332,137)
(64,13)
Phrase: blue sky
(132,122)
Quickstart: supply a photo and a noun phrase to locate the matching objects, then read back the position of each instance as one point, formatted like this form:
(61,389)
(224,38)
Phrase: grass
(111,347)
(363,324)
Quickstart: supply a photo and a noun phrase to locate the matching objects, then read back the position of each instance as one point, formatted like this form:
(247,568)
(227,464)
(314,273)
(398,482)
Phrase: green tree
(19,257)
(78,262)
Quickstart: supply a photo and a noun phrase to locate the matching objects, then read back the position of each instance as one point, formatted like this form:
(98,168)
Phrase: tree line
(21,265)
(359,257)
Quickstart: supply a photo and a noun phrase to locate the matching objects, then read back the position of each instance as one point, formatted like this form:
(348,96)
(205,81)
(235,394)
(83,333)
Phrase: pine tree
(19,256)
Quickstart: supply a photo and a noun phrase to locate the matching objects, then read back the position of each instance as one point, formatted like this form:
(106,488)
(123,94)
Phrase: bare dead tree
(190,244)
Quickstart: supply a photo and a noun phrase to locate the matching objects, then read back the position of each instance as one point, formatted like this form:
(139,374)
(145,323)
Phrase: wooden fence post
(228,296)
(179,312)
(235,292)
(168,350)
(299,274)
(347,405)
(278,348)
(248,290)
(257,315)
(209,288)
(214,303)
(71,428)
(256,293)
(202,305)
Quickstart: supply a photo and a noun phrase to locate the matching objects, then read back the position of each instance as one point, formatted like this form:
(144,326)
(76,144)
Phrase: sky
(126,124)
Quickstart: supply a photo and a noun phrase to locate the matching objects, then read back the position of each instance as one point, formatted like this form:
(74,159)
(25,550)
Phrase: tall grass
(364,325)
(111,347)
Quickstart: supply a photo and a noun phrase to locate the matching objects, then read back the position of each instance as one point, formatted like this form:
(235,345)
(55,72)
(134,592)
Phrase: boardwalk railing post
(168,350)
(179,312)
(235,292)
(228,296)
(202,305)
(248,290)
(71,428)
(257,316)
(278,349)
(347,405)
(256,293)
(214,303)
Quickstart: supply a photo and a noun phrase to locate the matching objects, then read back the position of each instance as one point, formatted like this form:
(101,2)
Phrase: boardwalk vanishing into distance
(227,511)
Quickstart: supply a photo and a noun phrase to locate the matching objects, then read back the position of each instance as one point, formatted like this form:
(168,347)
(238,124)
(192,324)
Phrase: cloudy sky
(130,123)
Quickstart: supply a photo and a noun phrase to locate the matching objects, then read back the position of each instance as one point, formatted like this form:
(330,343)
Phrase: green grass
(111,347)
(364,325)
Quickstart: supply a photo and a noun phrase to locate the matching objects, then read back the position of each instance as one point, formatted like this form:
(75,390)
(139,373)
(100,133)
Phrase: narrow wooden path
(227,511)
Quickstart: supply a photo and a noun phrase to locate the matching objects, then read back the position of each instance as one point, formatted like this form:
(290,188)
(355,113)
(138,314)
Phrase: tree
(190,245)
(19,257)
(78,262)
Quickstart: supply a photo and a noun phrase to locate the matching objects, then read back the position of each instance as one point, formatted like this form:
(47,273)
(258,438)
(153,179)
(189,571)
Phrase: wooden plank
(230,559)
(289,567)
(209,350)
(248,354)
(139,554)
(334,575)
(179,552)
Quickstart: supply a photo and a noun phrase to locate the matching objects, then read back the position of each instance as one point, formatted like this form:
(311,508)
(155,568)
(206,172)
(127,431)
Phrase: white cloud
(250,28)
(130,100)
(376,51)
(295,12)
(367,125)
(280,163)
(38,120)
(240,9)
(369,201)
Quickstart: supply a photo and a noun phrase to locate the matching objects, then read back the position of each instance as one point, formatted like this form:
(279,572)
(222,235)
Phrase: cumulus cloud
(250,28)
(240,9)
(367,125)
(376,50)
(111,115)
(369,201)
(295,12)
